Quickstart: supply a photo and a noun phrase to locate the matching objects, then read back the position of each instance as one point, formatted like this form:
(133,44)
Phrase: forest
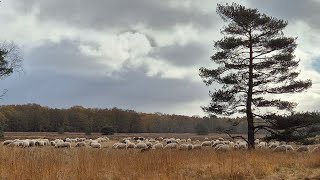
(37,118)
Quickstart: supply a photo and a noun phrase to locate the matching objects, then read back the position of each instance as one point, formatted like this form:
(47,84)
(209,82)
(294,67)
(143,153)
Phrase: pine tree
(254,60)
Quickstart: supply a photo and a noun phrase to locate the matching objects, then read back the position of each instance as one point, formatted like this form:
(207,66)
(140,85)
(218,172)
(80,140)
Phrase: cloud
(114,14)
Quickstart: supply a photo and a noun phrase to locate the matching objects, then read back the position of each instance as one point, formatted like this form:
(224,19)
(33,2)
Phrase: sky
(142,55)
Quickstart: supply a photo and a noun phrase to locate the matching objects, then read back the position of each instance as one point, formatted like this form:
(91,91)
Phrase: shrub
(108,130)
(201,129)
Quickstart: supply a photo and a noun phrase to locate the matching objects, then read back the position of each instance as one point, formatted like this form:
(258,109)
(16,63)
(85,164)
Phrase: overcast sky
(135,54)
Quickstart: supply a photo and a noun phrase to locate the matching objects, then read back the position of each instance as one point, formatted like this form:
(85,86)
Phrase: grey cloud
(190,54)
(101,14)
(292,10)
(132,88)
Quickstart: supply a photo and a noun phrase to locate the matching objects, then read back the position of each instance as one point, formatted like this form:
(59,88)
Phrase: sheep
(63,145)
(183,147)
(262,145)
(196,146)
(141,145)
(157,146)
(149,144)
(243,145)
(119,146)
(274,144)
(183,140)
(171,146)
(52,143)
(32,143)
(206,143)
(14,144)
(6,142)
(39,143)
(220,139)
(25,143)
(95,145)
(188,140)
(80,144)
(283,148)
(223,148)
(303,149)
(130,145)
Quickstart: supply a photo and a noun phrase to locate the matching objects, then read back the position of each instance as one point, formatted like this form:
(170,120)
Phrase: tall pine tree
(254,59)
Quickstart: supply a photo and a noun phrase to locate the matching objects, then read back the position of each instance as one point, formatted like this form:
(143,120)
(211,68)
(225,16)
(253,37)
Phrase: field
(107,163)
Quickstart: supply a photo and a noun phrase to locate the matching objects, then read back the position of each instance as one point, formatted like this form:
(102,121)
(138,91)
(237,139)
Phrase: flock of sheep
(145,144)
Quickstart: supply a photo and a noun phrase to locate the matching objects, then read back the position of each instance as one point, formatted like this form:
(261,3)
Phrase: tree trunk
(249,100)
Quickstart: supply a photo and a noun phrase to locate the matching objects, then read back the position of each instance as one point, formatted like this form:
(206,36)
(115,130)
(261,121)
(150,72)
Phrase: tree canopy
(254,61)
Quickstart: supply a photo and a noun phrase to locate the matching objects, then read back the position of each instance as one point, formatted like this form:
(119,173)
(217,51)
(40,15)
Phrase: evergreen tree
(255,60)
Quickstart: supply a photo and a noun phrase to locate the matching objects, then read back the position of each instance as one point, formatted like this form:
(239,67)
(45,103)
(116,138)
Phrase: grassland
(106,163)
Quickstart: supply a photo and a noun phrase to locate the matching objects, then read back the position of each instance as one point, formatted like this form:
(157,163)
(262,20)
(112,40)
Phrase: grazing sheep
(190,146)
(63,145)
(141,145)
(188,140)
(283,148)
(149,144)
(183,141)
(157,146)
(96,145)
(243,145)
(39,143)
(223,148)
(81,144)
(6,142)
(171,146)
(303,149)
(14,144)
(206,143)
(119,146)
(130,145)
(183,147)
(262,145)
(196,146)
(52,143)
(274,144)
(220,139)
(25,143)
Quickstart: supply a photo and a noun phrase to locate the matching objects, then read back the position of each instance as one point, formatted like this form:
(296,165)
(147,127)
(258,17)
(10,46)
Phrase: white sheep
(130,145)
(157,146)
(171,146)
(183,147)
(283,148)
(95,145)
(196,146)
(119,146)
(6,142)
(63,145)
(206,143)
(80,144)
(141,145)
(188,140)
(223,148)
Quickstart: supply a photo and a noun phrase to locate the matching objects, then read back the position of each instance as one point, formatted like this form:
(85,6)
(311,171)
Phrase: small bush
(61,130)
(201,129)
(108,130)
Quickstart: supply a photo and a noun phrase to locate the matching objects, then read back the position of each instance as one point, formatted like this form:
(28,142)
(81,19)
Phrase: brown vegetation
(106,163)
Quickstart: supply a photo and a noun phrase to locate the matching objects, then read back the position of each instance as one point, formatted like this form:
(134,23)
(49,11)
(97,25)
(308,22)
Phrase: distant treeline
(36,118)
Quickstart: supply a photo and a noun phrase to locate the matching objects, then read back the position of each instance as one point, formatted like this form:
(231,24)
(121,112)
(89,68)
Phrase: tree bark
(249,98)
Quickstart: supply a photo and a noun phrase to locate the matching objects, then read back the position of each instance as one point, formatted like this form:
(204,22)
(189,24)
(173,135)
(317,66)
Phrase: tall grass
(87,163)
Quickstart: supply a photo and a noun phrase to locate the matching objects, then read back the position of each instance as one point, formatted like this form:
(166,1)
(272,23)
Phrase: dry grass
(87,163)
